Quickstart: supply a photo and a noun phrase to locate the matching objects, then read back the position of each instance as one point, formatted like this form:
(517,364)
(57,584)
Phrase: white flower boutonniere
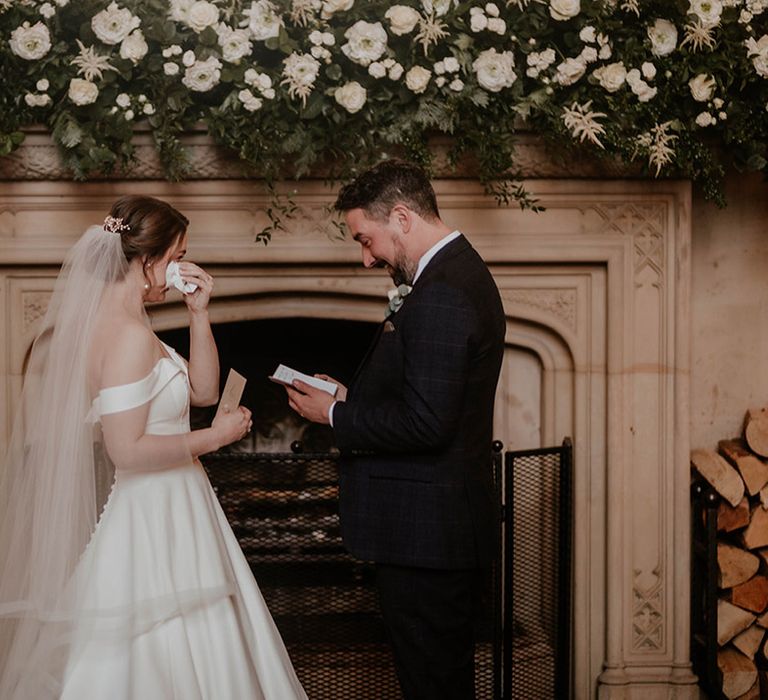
(397,297)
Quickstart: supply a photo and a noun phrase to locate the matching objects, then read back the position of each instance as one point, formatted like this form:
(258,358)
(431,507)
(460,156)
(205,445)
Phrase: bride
(120,577)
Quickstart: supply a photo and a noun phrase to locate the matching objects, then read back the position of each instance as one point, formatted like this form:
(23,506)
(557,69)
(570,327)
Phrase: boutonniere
(397,297)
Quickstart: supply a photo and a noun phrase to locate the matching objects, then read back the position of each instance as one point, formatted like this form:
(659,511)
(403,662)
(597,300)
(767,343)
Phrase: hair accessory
(115,224)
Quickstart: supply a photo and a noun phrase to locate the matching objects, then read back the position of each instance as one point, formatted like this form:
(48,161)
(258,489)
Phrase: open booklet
(285,375)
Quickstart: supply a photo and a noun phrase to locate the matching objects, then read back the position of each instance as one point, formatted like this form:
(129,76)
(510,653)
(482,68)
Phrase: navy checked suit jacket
(415,433)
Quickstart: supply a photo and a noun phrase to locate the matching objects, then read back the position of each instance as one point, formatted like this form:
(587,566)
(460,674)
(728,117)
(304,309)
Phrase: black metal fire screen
(537,574)
(283,509)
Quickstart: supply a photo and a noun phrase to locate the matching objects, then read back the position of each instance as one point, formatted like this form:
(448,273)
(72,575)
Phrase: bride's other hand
(232,426)
(198,300)
(341,392)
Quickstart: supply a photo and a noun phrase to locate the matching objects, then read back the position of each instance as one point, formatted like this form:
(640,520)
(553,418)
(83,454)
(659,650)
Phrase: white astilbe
(698,36)
(303,11)
(582,122)
(5,5)
(519,4)
(431,30)
(658,142)
(90,64)
(631,6)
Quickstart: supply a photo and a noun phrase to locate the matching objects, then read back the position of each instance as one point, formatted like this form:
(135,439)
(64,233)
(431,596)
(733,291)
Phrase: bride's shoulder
(129,353)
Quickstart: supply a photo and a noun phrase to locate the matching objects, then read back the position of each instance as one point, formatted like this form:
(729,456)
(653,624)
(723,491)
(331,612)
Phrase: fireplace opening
(255,348)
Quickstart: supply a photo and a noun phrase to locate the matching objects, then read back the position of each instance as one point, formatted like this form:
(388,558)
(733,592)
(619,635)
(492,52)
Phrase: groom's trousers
(431,615)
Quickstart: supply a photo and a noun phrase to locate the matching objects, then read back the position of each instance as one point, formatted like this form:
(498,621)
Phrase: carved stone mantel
(596,291)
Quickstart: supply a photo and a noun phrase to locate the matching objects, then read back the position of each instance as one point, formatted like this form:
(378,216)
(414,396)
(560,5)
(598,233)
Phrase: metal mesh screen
(537,573)
(283,508)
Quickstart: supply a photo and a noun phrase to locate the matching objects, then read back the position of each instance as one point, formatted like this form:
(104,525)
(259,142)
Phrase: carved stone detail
(648,615)
(34,305)
(561,303)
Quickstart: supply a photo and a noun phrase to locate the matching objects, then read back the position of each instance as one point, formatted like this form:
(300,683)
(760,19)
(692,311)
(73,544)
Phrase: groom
(415,430)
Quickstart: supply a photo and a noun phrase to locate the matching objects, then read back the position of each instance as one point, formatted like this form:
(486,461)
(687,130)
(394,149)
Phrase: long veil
(54,476)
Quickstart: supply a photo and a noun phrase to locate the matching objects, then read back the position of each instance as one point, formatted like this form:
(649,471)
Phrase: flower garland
(679,86)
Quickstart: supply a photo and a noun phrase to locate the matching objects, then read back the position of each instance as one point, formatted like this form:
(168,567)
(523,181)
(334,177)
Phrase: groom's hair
(389,183)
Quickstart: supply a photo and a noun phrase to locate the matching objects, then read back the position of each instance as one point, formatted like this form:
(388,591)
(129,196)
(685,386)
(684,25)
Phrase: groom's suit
(416,491)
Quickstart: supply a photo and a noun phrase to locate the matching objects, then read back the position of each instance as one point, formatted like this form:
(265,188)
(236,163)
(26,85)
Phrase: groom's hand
(310,403)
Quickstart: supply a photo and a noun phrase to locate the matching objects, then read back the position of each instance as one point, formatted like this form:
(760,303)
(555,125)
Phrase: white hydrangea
(134,47)
(562,10)
(261,81)
(402,19)
(494,70)
(377,70)
(588,54)
(366,42)
(569,71)
(705,119)
(170,68)
(649,70)
(82,92)
(456,85)
(663,36)
(30,42)
(639,87)
(203,76)
(148,109)
(123,100)
(189,58)
(33,100)
(235,43)
(173,50)
(395,71)
(249,100)
(114,24)
(47,10)
(352,96)
(263,20)
(588,34)
(417,79)
(612,76)
(42,85)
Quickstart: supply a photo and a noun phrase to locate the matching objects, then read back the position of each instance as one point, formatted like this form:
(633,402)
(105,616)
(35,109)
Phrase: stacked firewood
(738,471)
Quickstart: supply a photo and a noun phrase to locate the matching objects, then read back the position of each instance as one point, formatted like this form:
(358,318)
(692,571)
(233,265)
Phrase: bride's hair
(152,226)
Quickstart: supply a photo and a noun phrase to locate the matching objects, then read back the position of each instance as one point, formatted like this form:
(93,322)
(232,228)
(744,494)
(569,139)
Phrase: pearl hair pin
(115,224)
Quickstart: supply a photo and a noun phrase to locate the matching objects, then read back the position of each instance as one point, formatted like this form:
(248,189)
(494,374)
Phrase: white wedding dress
(171,608)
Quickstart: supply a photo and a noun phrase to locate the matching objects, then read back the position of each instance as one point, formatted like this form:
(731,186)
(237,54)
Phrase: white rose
(649,70)
(134,46)
(564,9)
(588,35)
(705,119)
(171,68)
(402,19)
(188,59)
(478,22)
(235,43)
(366,42)
(202,76)
(264,21)
(456,85)
(451,65)
(702,87)
(201,15)
(569,71)
(82,92)
(351,96)
(612,76)
(395,71)
(497,25)
(330,7)
(47,10)
(644,92)
(663,36)
(114,24)
(123,100)
(249,100)
(42,85)
(417,79)
(377,70)
(708,11)
(495,70)
(30,43)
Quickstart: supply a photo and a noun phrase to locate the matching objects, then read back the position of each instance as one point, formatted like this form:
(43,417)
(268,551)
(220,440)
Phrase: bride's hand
(198,300)
(232,426)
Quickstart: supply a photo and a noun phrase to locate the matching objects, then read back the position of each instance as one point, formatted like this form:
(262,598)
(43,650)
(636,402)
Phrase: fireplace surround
(596,292)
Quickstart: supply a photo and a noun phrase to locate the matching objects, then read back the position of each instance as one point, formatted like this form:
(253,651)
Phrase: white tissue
(173,279)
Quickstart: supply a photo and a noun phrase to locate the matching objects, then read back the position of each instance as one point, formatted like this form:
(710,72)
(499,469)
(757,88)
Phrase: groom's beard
(402,270)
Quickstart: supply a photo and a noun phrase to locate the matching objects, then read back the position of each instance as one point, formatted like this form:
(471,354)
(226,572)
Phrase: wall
(729,309)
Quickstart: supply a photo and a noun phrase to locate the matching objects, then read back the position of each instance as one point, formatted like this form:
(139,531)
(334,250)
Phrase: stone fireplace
(596,292)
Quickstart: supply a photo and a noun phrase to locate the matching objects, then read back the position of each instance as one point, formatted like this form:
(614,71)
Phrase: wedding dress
(164,541)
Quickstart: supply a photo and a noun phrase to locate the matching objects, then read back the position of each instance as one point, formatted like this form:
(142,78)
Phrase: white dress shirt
(424,260)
